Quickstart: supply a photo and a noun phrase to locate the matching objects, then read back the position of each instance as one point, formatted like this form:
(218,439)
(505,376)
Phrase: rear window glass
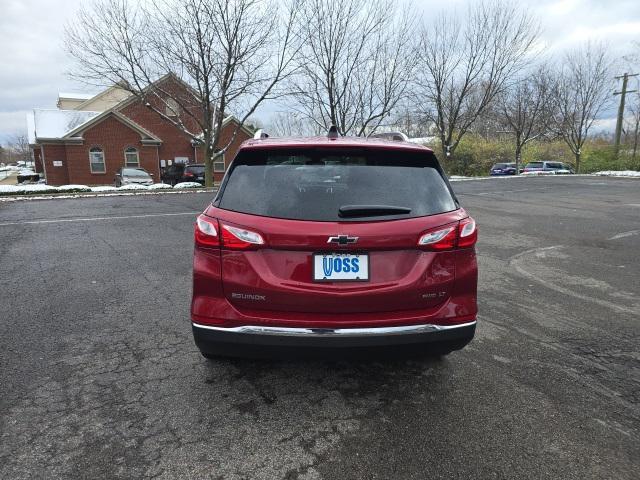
(197,169)
(534,165)
(500,165)
(133,172)
(316,184)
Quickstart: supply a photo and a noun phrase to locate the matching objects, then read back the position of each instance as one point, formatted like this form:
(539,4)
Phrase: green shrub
(597,158)
(475,155)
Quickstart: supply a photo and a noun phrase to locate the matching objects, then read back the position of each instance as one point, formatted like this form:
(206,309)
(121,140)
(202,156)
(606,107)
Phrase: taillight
(188,174)
(442,239)
(240,238)
(210,233)
(468,233)
(206,232)
(463,234)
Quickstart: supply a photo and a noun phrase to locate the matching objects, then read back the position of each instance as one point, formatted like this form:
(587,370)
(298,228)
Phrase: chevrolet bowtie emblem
(342,239)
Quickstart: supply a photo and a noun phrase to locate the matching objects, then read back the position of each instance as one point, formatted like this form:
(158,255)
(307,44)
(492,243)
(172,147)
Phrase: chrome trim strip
(334,332)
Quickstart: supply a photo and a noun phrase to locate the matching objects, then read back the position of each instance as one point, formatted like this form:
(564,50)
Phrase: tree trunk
(635,141)
(577,155)
(518,157)
(208,162)
(447,161)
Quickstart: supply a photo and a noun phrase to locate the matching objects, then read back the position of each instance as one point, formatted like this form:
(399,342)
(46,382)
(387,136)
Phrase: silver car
(132,176)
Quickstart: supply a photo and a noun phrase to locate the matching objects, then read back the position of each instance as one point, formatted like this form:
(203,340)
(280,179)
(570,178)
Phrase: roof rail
(260,134)
(396,136)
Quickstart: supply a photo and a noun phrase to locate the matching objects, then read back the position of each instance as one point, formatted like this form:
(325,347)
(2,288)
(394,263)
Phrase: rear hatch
(194,173)
(335,231)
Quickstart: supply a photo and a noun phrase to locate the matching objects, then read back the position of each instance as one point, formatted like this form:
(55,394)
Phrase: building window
(131,158)
(96,160)
(218,163)
(171,109)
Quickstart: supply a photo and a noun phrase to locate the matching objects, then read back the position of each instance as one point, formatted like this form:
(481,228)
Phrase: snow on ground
(132,186)
(31,188)
(540,172)
(23,189)
(620,173)
(159,186)
(462,178)
(188,185)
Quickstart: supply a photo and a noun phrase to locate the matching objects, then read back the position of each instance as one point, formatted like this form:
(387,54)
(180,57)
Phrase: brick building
(89,137)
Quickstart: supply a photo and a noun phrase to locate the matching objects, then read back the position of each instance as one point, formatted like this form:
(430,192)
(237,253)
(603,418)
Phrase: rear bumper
(262,340)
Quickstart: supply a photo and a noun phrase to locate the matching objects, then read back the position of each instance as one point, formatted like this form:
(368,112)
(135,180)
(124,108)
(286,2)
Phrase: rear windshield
(316,184)
(501,165)
(534,164)
(197,169)
(134,172)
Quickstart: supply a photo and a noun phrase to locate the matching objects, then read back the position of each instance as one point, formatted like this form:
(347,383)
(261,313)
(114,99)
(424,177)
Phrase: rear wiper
(371,210)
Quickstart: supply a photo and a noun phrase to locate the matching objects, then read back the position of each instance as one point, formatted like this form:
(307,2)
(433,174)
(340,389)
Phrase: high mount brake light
(463,234)
(206,232)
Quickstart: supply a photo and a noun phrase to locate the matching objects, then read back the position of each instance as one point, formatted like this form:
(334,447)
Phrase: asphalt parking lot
(100,377)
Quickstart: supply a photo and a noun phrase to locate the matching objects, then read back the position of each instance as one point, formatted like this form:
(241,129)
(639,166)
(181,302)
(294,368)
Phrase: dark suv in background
(179,172)
(503,169)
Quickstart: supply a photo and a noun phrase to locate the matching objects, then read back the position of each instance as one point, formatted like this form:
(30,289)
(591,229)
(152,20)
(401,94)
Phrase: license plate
(340,267)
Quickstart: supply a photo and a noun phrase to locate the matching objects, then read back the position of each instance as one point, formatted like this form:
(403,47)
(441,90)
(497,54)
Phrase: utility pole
(622,93)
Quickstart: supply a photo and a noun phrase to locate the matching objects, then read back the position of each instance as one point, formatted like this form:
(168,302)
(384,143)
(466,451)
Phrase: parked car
(132,176)
(333,245)
(179,172)
(503,169)
(564,169)
(27,175)
(194,172)
(551,167)
(172,174)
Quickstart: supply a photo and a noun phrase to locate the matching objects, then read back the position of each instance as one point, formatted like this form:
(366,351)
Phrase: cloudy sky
(33,63)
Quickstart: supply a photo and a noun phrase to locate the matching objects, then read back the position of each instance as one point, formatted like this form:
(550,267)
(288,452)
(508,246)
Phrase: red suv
(333,244)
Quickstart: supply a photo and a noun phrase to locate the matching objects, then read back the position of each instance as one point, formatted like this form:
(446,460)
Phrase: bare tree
(231,53)
(288,124)
(17,149)
(581,93)
(464,66)
(525,109)
(355,65)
